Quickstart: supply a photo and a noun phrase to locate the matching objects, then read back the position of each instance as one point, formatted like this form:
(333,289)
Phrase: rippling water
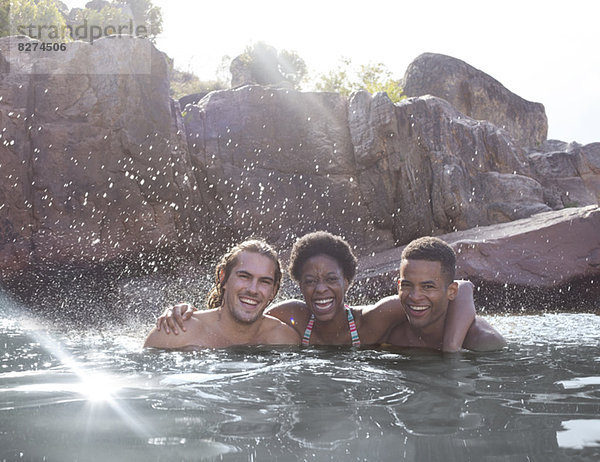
(97,396)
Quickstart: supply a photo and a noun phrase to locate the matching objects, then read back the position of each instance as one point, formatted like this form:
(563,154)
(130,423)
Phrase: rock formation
(94,156)
(544,250)
(280,162)
(557,250)
(569,173)
(477,95)
(98,165)
(427,168)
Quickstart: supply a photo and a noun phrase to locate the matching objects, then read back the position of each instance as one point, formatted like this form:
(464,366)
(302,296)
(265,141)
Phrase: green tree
(184,83)
(39,19)
(371,77)
(266,66)
(337,80)
(4,18)
(143,13)
(376,77)
(138,17)
(135,17)
(109,20)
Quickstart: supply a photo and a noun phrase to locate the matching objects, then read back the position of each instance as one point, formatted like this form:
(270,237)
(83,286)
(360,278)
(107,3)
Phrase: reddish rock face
(94,160)
(545,250)
(477,95)
(531,256)
(97,163)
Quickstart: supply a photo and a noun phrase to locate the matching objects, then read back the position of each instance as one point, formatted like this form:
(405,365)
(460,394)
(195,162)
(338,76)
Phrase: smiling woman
(324,266)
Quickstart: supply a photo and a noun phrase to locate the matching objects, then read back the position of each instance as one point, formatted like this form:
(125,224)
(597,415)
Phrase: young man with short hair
(426,285)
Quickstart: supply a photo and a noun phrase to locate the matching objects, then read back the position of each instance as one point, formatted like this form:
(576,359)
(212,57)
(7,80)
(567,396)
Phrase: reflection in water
(578,434)
(97,396)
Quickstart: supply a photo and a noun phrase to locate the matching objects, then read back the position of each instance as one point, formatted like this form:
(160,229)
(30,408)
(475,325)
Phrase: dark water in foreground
(97,396)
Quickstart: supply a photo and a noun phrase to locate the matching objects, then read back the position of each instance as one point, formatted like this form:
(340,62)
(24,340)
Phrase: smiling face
(323,286)
(250,287)
(425,293)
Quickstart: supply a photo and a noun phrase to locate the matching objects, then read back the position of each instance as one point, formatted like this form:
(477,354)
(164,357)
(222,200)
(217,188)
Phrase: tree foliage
(4,18)
(267,66)
(39,19)
(135,17)
(371,77)
(45,20)
(184,83)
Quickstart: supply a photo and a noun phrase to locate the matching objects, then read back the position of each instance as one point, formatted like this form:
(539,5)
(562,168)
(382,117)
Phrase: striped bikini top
(351,326)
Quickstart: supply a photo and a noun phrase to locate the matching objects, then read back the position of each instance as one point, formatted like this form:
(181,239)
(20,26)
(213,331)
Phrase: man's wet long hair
(230,259)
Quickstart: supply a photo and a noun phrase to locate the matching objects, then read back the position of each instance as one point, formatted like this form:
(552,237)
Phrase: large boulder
(425,168)
(553,257)
(477,95)
(94,157)
(98,165)
(280,163)
(569,173)
(545,250)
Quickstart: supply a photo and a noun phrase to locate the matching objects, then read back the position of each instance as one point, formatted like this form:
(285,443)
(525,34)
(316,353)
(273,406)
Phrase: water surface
(97,396)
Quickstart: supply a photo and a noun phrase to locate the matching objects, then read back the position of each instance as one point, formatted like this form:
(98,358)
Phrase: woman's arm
(377,319)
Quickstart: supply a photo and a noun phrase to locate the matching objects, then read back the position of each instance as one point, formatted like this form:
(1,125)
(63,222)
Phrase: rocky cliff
(99,165)
(550,260)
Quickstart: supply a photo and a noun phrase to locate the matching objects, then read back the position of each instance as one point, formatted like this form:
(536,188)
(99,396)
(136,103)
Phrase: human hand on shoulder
(174,317)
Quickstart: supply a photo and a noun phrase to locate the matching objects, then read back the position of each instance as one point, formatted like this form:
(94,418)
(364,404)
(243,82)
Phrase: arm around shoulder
(483,337)
(460,316)
(160,339)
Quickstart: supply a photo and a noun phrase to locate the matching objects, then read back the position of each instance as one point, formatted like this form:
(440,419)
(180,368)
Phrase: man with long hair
(246,281)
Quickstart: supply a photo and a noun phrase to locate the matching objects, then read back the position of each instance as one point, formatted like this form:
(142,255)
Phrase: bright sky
(543,50)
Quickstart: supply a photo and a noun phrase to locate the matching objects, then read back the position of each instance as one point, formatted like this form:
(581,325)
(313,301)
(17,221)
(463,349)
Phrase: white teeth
(418,308)
(248,301)
(323,304)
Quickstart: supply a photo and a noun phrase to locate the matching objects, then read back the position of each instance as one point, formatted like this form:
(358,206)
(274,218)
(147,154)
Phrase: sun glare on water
(98,387)
(95,387)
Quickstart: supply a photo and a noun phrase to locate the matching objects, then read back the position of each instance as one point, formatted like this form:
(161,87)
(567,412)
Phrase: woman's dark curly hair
(322,243)
(230,259)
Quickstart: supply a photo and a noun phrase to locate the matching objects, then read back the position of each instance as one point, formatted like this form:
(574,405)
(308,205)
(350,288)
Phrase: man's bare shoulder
(160,339)
(206,315)
(197,328)
(292,312)
(276,332)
